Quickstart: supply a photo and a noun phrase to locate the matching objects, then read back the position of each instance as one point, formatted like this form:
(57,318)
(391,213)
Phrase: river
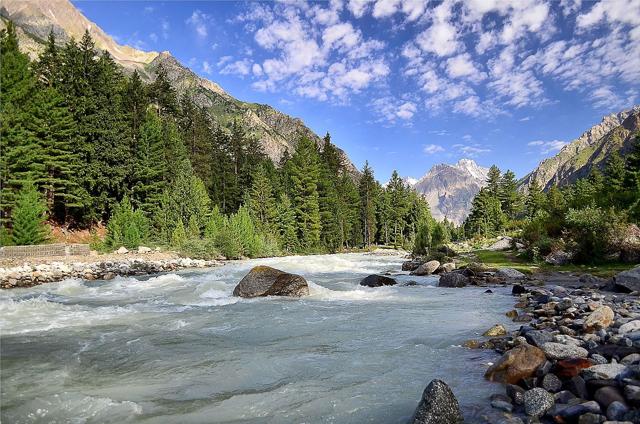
(179,348)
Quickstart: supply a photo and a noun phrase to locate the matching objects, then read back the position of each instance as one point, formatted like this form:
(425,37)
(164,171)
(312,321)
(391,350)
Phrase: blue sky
(408,84)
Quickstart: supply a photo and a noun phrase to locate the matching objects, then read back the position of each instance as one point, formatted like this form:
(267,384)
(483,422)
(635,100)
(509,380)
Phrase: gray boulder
(628,281)
(453,279)
(560,351)
(558,257)
(510,274)
(503,243)
(411,265)
(438,406)
(448,267)
(375,280)
(426,268)
(266,281)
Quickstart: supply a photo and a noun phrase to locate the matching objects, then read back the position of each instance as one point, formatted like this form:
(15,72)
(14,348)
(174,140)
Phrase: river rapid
(179,348)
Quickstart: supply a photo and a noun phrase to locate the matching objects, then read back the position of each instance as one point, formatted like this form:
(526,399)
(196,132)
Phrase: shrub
(197,248)
(179,235)
(228,242)
(127,227)
(592,232)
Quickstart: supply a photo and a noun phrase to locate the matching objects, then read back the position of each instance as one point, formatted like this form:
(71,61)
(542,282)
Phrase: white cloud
(239,67)
(198,21)
(358,7)
(547,147)
(471,151)
(392,110)
(207,68)
(463,66)
(432,149)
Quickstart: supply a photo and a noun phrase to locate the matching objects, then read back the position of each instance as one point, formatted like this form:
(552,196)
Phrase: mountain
(590,150)
(274,130)
(450,189)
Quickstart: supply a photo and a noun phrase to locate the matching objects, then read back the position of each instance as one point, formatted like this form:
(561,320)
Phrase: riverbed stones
(426,268)
(122,250)
(516,364)
(446,267)
(563,351)
(453,279)
(375,280)
(266,281)
(411,265)
(438,406)
(600,318)
(537,402)
(629,327)
(603,371)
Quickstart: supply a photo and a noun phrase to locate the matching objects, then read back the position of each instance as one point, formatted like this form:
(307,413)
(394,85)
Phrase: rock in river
(628,281)
(426,268)
(520,362)
(266,281)
(375,280)
(510,274)
(438,406)
(453,279)
(563,351)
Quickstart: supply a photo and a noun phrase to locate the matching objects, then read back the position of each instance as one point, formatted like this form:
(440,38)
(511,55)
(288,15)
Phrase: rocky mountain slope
(450,189)
(274,130)
(591,149)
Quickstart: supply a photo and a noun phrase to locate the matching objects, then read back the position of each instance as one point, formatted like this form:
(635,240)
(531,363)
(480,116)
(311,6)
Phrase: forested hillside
(85,143)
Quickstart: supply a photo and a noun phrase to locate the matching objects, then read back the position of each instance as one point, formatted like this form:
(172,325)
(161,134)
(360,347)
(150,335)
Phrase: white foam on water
(318,292)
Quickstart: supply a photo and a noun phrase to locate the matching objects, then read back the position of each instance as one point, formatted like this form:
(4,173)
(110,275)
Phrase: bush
(197,248)
(593,232)
(179,235)
(228,242)
(127,227)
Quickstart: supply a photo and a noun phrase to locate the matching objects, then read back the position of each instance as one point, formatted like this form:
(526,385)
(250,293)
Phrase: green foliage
(422,242)
(127,227)
(304,173)
(28,217)
(197,248)
(286,224)
(178,235)
(368,194)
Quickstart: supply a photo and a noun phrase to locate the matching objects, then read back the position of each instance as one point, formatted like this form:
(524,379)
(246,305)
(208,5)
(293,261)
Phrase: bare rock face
(518,363)
(450,189)
(590,150)
(266,281)
(438,406)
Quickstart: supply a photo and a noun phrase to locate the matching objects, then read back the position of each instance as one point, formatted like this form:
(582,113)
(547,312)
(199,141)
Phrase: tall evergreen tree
(368,195)
(493,181)
(286,223)
(262,204)
(535,200)
(304,174)
(399,206)
(510,199)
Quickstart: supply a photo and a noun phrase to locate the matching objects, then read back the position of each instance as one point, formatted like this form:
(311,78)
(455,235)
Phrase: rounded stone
(537,402)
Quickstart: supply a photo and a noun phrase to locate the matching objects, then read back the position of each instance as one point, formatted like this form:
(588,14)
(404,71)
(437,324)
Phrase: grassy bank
(501,259)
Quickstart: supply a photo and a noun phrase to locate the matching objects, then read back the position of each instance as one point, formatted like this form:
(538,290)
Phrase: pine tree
(262,204)
(493,181)
(178,235)
(18,85)
(286,223)
(535,200)
(368,194)
(614,175)
(510,199)
(162,94)
(349,204)
(215,224)
(48,65)
(398,199)
(330,211)
(149,166)
(304,174)
(28,217)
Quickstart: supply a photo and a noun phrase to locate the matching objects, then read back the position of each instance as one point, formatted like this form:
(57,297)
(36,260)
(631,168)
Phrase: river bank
(28,273)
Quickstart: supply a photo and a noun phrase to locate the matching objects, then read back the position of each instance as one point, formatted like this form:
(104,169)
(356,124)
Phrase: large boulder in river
(375,280)
(510,274)
(266,281)
(516,364)
(628,281)
(438,406)
(453,279)
(426,268)
(599,319)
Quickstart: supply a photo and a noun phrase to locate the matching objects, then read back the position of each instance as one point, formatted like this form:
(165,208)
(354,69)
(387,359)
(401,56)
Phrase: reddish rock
(571,367)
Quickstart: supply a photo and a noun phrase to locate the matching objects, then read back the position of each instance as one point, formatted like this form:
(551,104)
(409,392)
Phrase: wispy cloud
(546,147)
(431,149)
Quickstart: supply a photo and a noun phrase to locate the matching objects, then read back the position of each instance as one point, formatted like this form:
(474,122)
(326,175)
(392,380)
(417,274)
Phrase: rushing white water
(179,348)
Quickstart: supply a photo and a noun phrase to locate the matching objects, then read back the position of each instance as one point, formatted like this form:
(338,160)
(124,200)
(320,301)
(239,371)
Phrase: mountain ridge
(276,131)
(450,189)
(590,150)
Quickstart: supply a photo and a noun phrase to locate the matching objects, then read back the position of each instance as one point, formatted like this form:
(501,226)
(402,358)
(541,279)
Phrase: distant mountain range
(450,189)
(590,150)
(274,130)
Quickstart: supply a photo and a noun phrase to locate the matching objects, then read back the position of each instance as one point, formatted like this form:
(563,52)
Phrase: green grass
(508,259)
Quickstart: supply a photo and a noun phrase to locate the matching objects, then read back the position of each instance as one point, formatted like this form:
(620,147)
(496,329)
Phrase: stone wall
(40,250)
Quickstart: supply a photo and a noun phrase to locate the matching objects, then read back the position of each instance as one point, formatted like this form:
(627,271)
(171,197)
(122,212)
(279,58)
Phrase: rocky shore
(27,274)
(574,359)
